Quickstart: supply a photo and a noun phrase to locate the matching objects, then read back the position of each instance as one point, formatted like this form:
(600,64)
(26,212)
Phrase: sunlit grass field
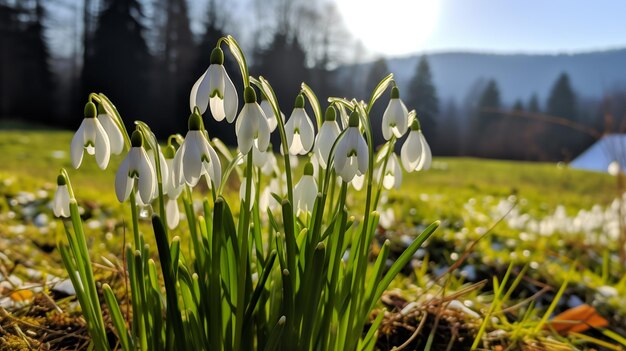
(528,216)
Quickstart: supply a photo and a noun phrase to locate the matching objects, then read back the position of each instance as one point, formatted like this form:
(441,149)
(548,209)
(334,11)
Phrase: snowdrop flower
(351,154)
(216,88)
(415,153)
(116,139)
(305,192)
(171,189)
(135,171)
(299,129)
(272,121)
(163,168)
(61,200)
(92,137)
(358,181)
(392,176)
(326,137)
(396,116)
(242,192)
(196,157)
(265,160)
(251,127)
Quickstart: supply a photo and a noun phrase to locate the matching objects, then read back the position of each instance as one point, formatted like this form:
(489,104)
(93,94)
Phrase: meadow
(520,247)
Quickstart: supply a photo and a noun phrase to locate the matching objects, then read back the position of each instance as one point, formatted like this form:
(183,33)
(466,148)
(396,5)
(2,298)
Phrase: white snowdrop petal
(147,178)
(171,212)
(427,156)
(307,133)
(116,140)
(61,202)
(123,183)
(411,151)
(231,100)
(199,98)
(215,81)
(77,147)
(358,181)
(102,147)
(263,129)
(362,154)
(191,158)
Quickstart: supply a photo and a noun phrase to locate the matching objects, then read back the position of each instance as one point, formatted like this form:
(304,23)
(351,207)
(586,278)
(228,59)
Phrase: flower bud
(136,139)
(90,110)
(249,95)
(299,101)
(217,56)
(331,114)
(354,119)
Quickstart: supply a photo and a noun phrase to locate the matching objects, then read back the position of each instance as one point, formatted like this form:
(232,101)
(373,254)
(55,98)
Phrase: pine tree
(483,121)
(518,105)
(119,63)
(422,96)
(562,103)
(562,100)
(533,104)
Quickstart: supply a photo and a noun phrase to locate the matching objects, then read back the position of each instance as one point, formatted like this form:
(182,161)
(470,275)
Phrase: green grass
(31,161)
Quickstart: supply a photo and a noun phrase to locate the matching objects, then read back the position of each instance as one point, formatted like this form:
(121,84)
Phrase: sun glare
(390,27)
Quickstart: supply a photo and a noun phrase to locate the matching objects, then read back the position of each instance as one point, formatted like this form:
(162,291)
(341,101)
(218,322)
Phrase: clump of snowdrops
(289,269)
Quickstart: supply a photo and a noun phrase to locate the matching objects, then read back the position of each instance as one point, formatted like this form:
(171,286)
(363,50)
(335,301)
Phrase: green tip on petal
(90,110)
(195,122)
(217,56)
(299,101)
(415,125)
(136,139)
(101,110)
(249,96)
(331,114)
(395,93)
(61,180)
(354,119)
(169,152)
(308,168)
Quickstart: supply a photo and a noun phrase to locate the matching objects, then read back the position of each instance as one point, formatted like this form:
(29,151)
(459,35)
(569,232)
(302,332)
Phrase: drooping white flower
(299,130)
(196,157)
(61,200)
(216,88)
(396,116)
(326,137)
(351,154)
(165,172)
(171,188)
(92,137)
(251,127)
(172,213)
(242,192)
(392,175)
(135,173)
(305,192)
(116,139)
(272,121)
(415,153)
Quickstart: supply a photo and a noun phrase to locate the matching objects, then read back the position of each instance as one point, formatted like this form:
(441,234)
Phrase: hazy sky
(400,27)
(487,25)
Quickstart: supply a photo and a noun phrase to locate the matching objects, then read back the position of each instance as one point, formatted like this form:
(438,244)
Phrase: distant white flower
(415,153)
(266,199)
(216,88)
(92,137)
(351,154)
(358,181)
(135,170)
(251,127)
(196,157)
(242,192)
(299,130)
(614,168)
(116,139)
(392,176)
(171,189)
(305,192)
(61,200)
(272,121)
(326,137)
(396,116)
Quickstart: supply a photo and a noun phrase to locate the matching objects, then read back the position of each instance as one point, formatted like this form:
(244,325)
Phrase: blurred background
(525,80)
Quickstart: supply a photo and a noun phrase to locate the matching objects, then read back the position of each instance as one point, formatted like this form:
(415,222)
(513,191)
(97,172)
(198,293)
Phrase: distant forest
(147,61)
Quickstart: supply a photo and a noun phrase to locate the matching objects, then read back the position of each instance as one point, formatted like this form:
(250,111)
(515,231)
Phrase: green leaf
(317,109)
(117,318)
(379,90)
(237,53)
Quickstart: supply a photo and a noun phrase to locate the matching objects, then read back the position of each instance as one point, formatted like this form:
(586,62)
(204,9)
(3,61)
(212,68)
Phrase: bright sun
(390,27)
